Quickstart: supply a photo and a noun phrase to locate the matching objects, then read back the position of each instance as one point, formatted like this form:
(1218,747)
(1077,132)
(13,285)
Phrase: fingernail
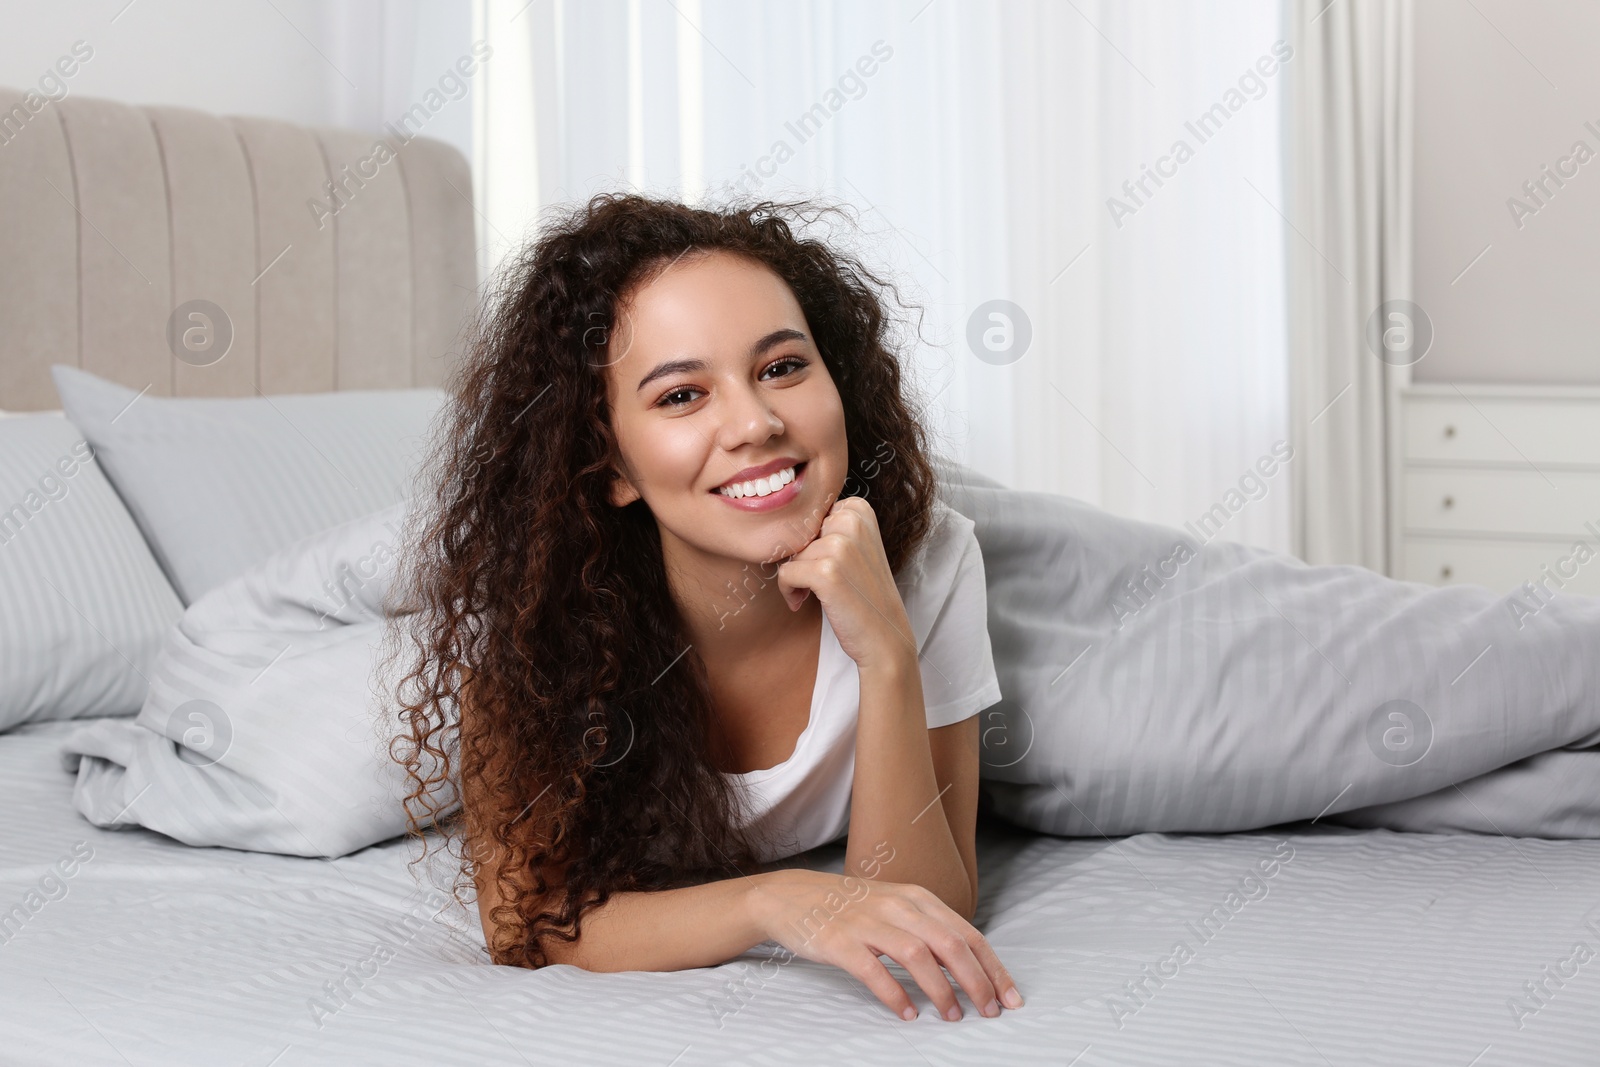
(909,1014)
(1013,998)
(991,1009)
(954,1013)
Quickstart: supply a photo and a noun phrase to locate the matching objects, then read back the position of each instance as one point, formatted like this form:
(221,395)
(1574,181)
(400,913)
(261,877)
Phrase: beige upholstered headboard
(115,220)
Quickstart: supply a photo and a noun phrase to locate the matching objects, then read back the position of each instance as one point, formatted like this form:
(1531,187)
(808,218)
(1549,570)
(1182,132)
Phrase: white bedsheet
(1365,947)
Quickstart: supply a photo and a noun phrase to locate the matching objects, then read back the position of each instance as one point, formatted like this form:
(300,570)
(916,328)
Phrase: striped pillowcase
(217,485)
(83,605)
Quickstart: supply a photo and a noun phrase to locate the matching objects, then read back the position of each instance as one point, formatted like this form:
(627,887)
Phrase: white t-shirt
(805,800)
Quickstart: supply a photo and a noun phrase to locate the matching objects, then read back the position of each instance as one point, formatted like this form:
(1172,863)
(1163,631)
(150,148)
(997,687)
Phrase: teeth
(759,486)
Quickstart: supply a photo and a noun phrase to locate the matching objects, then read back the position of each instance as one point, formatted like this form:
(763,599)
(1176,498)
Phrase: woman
(682,642)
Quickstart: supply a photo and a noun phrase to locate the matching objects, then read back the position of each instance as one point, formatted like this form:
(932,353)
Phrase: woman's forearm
(895,797)
(663,930)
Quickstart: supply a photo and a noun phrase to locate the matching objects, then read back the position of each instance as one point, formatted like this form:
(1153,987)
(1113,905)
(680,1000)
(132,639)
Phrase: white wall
(1504,87)
(357,63)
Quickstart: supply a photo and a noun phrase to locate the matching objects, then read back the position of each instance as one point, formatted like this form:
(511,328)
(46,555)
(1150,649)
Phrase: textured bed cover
(1361,947)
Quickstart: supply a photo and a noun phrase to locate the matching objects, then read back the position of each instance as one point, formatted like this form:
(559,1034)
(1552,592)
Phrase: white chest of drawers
(1498,486)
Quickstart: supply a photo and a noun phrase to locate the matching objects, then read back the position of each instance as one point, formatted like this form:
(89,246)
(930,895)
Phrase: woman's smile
(767,489)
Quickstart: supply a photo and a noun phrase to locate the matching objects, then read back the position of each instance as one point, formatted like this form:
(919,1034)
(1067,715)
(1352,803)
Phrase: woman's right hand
(848,922)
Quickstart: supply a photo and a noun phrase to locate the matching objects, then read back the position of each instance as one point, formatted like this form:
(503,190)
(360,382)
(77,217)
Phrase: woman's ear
(623,491)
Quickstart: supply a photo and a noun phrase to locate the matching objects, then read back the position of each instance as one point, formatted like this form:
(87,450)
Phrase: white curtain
(379,59)
(985,147)
(1350,196)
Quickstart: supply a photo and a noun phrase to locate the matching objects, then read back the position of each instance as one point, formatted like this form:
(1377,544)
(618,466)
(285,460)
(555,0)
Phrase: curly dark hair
(578,760)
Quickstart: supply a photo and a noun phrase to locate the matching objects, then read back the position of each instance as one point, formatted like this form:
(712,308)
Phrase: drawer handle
(1445,571)
(1449,431)
(1449,501)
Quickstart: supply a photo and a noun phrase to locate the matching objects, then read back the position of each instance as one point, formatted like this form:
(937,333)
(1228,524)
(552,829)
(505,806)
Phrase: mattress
(1360,947)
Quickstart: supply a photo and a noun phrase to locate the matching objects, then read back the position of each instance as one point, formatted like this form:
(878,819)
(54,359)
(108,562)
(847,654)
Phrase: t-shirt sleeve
(958,675)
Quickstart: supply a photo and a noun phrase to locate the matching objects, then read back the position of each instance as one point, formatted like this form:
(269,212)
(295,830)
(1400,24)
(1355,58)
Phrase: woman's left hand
(845,566)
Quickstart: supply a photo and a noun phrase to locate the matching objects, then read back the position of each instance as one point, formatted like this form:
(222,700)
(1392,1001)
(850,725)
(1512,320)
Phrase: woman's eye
(687,394)
(677,398)
(789,363)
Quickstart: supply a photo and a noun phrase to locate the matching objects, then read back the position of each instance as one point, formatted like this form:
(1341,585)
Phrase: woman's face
(730,427)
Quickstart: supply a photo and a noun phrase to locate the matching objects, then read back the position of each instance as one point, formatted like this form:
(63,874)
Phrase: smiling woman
(708,426)
(659,399)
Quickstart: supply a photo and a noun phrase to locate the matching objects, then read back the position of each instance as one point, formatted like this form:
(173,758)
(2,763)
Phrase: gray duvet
(1156,682)
(1151,682)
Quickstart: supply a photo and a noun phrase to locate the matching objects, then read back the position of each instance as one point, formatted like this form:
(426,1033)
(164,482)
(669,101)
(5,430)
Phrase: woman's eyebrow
(678,366)
(672,366)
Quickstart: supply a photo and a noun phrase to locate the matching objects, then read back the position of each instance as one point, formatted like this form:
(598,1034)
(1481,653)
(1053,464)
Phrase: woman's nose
(748,418)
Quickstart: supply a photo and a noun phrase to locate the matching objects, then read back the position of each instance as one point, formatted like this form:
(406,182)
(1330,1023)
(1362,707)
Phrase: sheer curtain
(998,158)
(1351,197)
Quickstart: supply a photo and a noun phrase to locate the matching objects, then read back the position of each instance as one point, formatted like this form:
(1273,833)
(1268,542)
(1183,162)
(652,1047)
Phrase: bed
(1362,946)
(1368,947)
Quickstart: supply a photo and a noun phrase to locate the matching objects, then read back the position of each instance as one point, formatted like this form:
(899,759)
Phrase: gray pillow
(220,484)
(83,606)
(1155,682)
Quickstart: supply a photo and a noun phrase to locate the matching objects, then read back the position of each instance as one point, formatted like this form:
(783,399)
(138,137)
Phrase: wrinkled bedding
(1359,947)
(1152,680)
(1155,680)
